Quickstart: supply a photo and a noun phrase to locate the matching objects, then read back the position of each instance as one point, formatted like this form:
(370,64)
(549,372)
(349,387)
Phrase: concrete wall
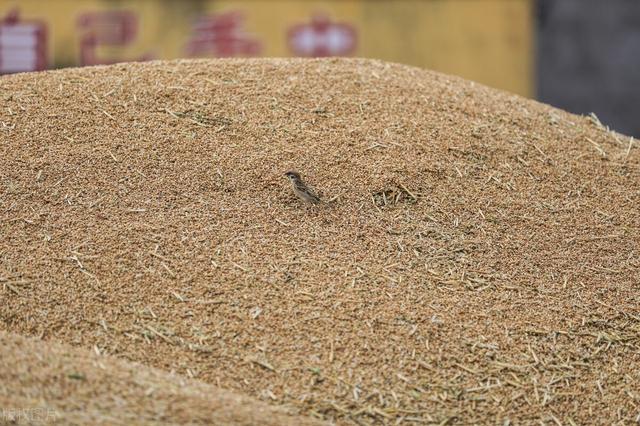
(588,59)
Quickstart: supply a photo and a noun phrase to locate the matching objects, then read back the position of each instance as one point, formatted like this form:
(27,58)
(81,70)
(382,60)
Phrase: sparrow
(301,189)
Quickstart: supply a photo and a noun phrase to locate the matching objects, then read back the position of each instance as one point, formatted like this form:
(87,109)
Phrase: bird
(301,189)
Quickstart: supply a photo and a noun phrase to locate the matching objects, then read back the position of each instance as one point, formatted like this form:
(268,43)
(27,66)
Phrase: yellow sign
(489,41)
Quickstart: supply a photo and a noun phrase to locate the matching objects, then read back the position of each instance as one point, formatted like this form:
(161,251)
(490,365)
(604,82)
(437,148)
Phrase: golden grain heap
(479,262)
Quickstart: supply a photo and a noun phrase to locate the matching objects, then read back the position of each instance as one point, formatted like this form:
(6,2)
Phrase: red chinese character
(23,44)
(222,36)
(116,28)
(321,37)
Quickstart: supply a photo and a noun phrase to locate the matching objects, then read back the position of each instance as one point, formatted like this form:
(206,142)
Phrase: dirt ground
(477,260)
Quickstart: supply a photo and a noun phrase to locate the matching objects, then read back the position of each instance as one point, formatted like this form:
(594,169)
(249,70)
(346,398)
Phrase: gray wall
(589,59)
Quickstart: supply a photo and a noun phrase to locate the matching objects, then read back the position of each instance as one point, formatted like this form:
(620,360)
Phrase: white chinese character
(22,45)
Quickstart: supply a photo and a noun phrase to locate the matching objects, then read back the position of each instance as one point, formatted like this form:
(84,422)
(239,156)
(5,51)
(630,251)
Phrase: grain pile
(52,383)
(479,262)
